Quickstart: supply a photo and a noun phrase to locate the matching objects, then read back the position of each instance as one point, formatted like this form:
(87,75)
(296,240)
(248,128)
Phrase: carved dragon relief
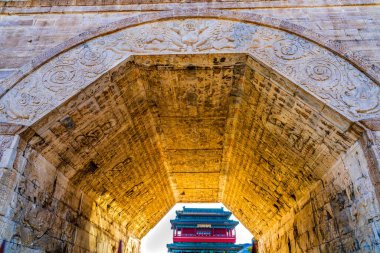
(320,72)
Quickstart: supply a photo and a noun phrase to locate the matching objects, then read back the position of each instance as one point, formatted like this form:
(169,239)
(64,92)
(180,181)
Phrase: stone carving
(365,94)
(291,49)
(60,77)
(324,78)
(121,169)
(5,143)
(377,139)
(331,79)
(133,245)
(189,36)
(322,70)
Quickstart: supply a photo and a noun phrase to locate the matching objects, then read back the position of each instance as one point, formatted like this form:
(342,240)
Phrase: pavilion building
(203,230)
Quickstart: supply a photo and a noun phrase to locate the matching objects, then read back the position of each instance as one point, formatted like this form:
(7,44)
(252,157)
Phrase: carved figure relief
(315,69)
(189,36)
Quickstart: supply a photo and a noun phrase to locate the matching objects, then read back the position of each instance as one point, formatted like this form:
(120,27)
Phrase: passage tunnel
(153,131)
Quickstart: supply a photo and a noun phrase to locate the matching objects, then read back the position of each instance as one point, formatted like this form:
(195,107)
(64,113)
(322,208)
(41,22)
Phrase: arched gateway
(103,134)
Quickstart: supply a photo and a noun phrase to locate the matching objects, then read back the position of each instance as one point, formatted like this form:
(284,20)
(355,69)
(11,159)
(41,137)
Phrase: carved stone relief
(133,245)
(315,69)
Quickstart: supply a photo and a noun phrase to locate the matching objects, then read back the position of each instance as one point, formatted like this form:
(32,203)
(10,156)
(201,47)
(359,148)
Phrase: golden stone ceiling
(156,130)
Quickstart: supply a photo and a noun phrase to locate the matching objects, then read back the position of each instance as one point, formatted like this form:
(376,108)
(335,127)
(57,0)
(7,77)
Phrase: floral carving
(23,102)
(290,49)
(90,56)
(319,72)
(95,59)
(323,71)
(315,69)
(367,95)
(59,78)
(323,77)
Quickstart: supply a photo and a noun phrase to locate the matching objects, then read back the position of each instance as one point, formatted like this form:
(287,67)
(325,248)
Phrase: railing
(195,238)
(217,235)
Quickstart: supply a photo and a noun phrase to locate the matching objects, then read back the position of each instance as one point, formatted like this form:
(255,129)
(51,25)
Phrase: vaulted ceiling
(157,130)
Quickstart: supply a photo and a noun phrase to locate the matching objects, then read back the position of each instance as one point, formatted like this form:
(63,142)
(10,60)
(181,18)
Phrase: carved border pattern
(325,75)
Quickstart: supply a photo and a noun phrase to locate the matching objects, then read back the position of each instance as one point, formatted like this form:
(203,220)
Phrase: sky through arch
(157,238)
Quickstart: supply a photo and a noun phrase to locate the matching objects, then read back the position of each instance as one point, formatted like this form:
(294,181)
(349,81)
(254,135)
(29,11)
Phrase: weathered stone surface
(314,69)
(281,146)
(51,214)
(159,129)
(339,26)
(341,214)
(80,3)
(234,106)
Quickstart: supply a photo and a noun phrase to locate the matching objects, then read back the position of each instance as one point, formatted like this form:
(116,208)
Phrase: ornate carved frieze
(316,70)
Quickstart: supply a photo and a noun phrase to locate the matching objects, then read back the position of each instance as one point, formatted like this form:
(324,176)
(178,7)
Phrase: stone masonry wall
(341,214)
(357,28)
(27,32)
(27,36)
(42,212)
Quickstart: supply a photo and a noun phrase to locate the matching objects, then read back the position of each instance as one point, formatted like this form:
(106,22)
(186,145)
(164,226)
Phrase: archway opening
(160,235)
(111,161)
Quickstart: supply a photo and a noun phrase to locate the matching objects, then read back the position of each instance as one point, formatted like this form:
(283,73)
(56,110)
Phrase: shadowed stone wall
(47,213)
(340,214)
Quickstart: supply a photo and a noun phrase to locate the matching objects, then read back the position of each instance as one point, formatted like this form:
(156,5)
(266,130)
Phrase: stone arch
(354,58)
(62,72)
(114,118)
(281,57)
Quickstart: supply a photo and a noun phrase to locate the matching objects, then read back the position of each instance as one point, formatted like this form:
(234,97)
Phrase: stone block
(7,228)
(6,195)
(8,155)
